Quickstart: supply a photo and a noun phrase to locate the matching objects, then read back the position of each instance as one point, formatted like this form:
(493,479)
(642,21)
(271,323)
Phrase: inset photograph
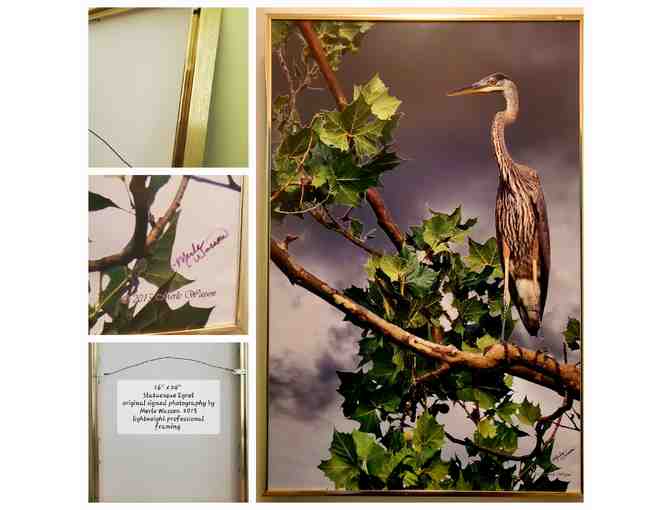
(424,279)
(168,87)
(167,422)
(167,254)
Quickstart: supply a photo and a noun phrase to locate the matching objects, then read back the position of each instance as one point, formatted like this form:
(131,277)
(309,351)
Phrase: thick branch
(530,365)
(317,51)
(141,243)
(321,216)
(384,218)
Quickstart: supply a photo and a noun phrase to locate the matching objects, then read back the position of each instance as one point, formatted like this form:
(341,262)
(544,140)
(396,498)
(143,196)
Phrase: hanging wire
(234,371)
(109,146)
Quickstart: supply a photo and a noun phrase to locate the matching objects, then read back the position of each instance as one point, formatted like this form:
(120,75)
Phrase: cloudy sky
(450,162)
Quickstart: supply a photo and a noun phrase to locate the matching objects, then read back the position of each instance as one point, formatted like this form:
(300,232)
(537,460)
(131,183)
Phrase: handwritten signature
(199,250)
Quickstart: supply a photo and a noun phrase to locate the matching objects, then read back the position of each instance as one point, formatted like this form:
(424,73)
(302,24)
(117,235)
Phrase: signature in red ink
(199,250)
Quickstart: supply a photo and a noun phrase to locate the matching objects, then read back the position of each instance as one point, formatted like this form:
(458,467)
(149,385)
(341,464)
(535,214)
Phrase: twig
(539,429)
(320,215)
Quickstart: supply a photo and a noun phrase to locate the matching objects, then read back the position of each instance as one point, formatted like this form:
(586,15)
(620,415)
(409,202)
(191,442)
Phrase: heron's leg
(506,297)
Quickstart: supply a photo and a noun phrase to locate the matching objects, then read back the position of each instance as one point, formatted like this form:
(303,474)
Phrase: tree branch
(529,365)
(374,198)
(323,218)
(384,218)
(540,428)
(141,243)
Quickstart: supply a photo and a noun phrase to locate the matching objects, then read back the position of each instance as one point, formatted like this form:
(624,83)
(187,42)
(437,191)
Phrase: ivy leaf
(356,227)
(507,411)
(367,416)
(487,428)
(441,229)
(296,144)
(158,269)
(369,451)
(462,484)
(157,317)
(484,255)
(409,479)
(343,466)
(98,202)
(485,341)
(572,334)
(428,437)
(472,310)
(391,461)
(485,399)
(376,95)
(109,296)
(529,413)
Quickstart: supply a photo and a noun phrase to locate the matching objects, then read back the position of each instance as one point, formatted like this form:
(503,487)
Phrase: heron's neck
(502,119)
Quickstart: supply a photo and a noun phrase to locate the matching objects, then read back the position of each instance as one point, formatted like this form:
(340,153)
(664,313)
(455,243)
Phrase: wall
(227,139)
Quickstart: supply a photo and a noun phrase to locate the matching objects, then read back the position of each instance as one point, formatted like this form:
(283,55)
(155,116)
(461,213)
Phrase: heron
(521,220)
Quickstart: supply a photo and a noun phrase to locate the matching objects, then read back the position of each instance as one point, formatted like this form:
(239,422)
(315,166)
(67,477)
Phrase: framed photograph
(167,422)
(150,85)
(419,169)
(167,254)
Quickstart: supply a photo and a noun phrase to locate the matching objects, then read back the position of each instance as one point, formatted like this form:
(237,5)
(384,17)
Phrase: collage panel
(412,323)
(168,87)
(168,422)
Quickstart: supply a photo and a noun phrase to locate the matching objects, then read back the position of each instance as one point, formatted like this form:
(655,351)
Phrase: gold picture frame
(265,17)
(240,324)
(93,423)
(197,80)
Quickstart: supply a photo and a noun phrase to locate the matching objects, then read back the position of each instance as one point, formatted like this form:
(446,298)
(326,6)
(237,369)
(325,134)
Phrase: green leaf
(472,310)
(438,470)
(462,484)
(485,341)
(529,413)
(295,145)
(114,289)
(356,227)
(376,95)
(158,269)
(156,182)
(482,256)
(485,399)
(98,202)
(487,428)
(157,317)
(392,460)
(409,479)
(572,334)
(428,437)
(369,451)
(343,466)
(367,416)
(507,411)
(354,123)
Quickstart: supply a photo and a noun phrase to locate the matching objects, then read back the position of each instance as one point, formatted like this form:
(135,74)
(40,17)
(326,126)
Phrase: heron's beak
(471,89)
